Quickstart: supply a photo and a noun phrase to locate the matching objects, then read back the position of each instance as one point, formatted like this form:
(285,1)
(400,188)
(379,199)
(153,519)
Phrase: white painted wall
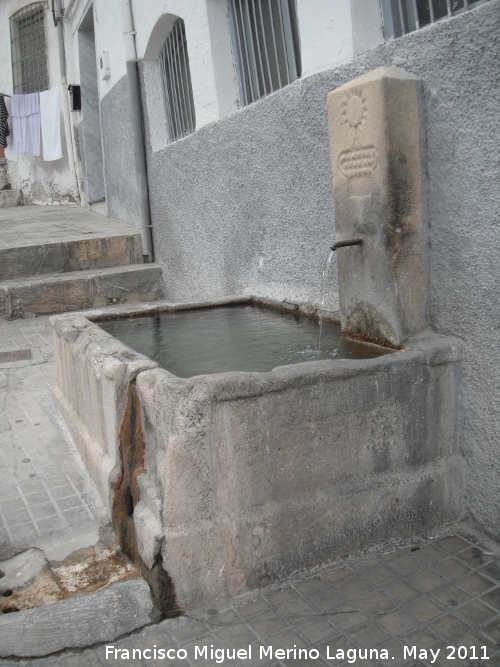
(212,72)
(208,107)
(41,182)
(326,39)
(367,29)
(325,30)
(108,37)
(330,32)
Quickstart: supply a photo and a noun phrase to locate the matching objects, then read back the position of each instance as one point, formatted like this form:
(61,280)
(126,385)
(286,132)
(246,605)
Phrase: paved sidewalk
(44,490)
(33,225)
(433,595)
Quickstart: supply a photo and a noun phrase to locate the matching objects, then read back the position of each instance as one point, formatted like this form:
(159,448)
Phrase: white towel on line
(50,116)
(25,112)
(24,105)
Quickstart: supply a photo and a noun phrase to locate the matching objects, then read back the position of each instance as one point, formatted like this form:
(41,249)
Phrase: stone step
(31,260)
(80,290)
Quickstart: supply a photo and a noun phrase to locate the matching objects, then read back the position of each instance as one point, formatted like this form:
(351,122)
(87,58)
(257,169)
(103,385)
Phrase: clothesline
(31,113)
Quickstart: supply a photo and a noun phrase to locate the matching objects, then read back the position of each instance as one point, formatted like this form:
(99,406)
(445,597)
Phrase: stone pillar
(376,142)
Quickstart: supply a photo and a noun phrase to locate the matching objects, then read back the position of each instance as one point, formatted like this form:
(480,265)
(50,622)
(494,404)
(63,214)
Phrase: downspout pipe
(58,20)
(137,132)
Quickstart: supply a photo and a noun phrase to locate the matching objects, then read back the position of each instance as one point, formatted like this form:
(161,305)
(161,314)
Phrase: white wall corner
(201,65)
(367,28)
(325,32)
(222,57)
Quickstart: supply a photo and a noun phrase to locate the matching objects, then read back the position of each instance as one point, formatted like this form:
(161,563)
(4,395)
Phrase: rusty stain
(102,568)
(40,591)
(367,338)
(84,571)
(127,495)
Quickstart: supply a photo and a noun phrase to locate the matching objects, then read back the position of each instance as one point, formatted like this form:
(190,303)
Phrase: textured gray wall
(121,188)
(246,204)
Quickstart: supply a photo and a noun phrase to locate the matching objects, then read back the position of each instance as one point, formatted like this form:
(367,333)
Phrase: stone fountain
(223,482)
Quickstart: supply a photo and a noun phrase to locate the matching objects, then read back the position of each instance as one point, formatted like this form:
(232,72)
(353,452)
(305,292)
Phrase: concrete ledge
(77,622)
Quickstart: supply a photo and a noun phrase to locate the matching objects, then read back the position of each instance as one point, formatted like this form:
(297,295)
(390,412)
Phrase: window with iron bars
(265,43)
(176,83)
(403,16)
(29,52)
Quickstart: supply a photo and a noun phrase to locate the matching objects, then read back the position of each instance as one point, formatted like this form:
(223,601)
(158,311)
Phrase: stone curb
(78,622)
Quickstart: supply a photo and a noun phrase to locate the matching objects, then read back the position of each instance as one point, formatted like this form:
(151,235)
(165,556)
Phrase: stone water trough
(223,482)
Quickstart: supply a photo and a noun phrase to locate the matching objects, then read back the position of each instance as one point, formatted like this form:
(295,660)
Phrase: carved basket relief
(358,160)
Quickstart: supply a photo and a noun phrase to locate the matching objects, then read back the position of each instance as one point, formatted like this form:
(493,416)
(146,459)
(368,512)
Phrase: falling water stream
(322,300)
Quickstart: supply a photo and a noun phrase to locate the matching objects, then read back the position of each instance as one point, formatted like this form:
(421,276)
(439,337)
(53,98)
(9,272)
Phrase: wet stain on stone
(365,323)
(397,224)
(126,497)
(28,580)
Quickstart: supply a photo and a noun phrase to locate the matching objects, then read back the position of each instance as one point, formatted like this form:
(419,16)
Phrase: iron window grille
(265,43)
(176,84)
(403,16)
(29,52)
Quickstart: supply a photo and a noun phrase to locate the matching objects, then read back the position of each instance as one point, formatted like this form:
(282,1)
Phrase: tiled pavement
(428,595)
(33,225)
(439,594)
(44,488)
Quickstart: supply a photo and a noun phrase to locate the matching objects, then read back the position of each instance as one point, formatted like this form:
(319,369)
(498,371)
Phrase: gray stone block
(255,475)
(76,255)
(20,569)
(10,198)
(77,622)
(80,290)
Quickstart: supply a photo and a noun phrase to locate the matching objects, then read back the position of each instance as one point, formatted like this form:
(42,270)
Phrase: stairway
(55,261)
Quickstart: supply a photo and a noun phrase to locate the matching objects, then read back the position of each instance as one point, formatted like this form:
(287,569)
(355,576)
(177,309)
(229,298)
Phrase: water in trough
(234,338)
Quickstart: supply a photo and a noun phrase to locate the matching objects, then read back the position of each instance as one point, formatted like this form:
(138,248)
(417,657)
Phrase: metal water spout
(343,244)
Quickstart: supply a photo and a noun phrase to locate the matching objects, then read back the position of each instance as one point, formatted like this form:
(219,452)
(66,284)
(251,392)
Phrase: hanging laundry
(4,123)
(50,116)
(25,112)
